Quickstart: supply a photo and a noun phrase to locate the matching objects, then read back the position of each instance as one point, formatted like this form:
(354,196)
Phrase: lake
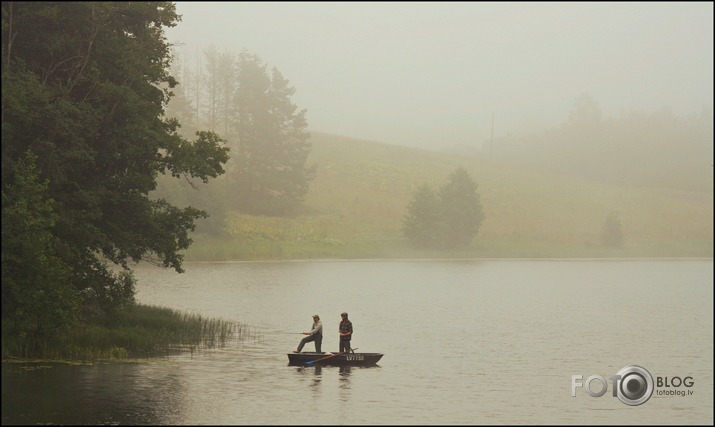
(464,342)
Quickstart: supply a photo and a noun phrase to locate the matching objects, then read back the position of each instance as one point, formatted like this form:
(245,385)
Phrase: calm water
(465,342)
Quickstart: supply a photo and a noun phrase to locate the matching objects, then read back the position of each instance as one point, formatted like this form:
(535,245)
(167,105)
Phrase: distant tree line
(447,219)
(646,149)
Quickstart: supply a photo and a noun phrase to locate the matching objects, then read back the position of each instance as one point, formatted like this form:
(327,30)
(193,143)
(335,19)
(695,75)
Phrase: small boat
(333,359)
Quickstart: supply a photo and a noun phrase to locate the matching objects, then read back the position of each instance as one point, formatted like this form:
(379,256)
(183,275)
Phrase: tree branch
(92,37)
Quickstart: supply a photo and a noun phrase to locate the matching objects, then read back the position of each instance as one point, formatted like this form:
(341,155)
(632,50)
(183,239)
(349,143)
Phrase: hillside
(358,199)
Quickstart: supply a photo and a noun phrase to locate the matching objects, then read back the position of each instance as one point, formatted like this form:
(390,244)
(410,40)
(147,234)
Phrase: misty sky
(431,74)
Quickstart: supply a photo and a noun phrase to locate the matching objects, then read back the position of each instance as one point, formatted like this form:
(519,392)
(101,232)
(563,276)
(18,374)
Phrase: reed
(137,331)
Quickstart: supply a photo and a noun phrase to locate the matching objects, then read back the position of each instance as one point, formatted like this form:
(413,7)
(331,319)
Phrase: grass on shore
(137,331)
(207,248)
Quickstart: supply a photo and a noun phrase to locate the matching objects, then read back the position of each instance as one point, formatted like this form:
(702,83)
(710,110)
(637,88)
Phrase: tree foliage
(84,87)
(612,231)
(37,294)
(461,209)
(449,219)
(271,173)
(423,213)
(250,105)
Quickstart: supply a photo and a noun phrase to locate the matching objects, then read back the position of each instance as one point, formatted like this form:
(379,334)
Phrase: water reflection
(317,377)
(344,383)
(317,369)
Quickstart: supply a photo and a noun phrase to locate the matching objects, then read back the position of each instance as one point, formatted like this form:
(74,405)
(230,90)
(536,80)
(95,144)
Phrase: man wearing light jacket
(315,334)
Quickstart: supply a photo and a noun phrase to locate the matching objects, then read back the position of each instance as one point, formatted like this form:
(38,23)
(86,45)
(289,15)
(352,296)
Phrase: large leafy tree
(271,172)
(37,294)
(84,87)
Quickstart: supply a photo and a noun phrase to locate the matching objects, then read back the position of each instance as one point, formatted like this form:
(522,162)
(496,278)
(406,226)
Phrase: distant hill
(359,197)
(646,149)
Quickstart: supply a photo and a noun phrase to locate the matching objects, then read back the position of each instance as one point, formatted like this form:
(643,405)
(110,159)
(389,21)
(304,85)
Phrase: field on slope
(357,201)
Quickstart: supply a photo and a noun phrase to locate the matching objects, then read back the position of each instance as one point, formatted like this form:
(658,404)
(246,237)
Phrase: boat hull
(334,359)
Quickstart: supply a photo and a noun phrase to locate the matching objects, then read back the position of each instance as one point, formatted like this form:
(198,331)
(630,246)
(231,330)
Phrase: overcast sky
(432,74)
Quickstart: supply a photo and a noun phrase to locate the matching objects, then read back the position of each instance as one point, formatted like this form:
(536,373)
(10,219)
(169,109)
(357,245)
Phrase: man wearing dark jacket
(346,332)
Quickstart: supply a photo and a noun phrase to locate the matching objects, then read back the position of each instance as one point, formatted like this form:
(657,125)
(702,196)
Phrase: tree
(461,210)
(612,233)
(449,219)
(181,105)
(220,78)
(585,113)
(39,300)
(271,173)
(420,223)
(84,87)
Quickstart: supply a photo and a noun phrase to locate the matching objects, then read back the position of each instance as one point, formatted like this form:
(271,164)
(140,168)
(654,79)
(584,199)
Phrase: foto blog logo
(632,385)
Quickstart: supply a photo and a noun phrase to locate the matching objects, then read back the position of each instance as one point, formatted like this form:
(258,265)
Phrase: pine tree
(612,232)
(461,210)
(271,173)
(449,219)
(420,225)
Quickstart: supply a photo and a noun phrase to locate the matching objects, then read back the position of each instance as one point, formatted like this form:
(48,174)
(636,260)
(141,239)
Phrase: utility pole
(491,141)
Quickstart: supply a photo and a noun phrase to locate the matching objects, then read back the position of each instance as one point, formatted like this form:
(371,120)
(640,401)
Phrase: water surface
(465,342)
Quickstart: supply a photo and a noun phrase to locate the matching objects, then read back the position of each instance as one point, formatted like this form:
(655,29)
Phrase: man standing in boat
(346,333)
(315,334)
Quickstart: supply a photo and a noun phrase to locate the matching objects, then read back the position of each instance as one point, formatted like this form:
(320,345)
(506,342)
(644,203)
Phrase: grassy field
(359,197)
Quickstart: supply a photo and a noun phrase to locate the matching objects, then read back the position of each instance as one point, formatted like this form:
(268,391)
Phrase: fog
(435,75)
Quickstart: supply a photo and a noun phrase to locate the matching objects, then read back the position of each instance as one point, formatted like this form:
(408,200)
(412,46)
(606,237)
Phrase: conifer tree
(449,219)
(612,232)
(271,173)
(461,210)
(420,225)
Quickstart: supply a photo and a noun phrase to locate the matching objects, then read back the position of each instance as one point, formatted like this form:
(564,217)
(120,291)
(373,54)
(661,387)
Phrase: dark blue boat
(333,359)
